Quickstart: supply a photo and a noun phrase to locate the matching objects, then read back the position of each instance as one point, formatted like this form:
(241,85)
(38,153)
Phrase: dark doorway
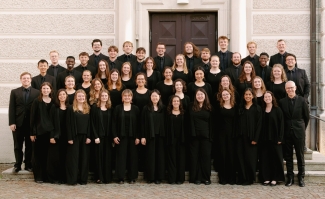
(174,29)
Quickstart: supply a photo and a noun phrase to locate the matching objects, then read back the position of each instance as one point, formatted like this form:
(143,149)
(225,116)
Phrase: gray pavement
(30,189)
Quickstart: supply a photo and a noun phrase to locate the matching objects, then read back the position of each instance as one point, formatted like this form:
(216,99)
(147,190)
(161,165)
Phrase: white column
(238,26)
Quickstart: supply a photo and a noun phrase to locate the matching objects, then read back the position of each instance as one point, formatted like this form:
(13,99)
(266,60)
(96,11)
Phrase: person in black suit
(296,118)
(20,103)
(224,54)
(279,58)
(263,70)
(252,57)
(60,80)
(127,56)
(38,80)
(84,58)
(297,75)
(55,67)
(192,55)
(113,62)
(137,66)
(97,55)
(234,70)
(162,60)
(205,60)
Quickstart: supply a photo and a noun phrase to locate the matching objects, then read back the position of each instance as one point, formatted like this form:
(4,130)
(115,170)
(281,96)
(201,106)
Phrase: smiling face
(140,80)
(205,55)
(199,75)
(236,59)
(257,83)
(46,90)
(97,86)
(127,48)
(70,63)
(200,96)
(114,76)
(43,67)
(168,74)
(149,64)
(248,96)
(86,76)
(161,50)
(141,55)
(154,98)
(102,66)
(178,86)
(188,48)
(69,83)
(176,102)
(84,59)
(281,46)
(214,62)
(126,68)
(104,97)
(112,53)
(81,97)
(62,96)
(277,72)
(54,57)
(97,47)
(291,89)
(225,95)
(263,60)
(251,49)
(291,62)
(126,98)
(223,43)
(225,82)
(179,60)
(268,98)
(248,69)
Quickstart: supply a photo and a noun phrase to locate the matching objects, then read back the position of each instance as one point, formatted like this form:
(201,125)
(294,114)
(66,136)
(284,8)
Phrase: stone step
(308,154)
(316,163)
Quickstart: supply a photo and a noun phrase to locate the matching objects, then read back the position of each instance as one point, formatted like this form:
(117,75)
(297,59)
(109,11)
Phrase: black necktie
(291,75)
(55,70)
(291,104)
(263,74)
(161,63)
(223,63)
(237,71)
(139,67)
(96,60)
(206,67)
(112,65)
(26,95)
(282,60)
(42,80)
(127,57)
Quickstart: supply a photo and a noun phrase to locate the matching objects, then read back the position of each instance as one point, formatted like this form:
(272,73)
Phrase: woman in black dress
(78,135)
(180,70)
(126,137)
(101,121)
(227,119)
(250,124)
(259,90)
(115,87)
(201,130)
(175,134)
(179,89)
(153,76)
(153,137)
(126,76)
(103,71)
(85,85)
(40,128)
(56,163)
(277,83)
(70,85)
(245,78)
(165,87)
(199,83)
(213,76)
(96,87)
(271,157)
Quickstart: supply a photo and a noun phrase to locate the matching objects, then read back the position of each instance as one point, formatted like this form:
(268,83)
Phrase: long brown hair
(170,105)
(85,106)
(40,97)
(274,102)
(99,72)
(108,104)
(242,76)
(196,50)
(206,103)
(119,84)
(145,63)
(57,101)
(92,92)
(231,87)
(263,88)
(232,97)
(127,63)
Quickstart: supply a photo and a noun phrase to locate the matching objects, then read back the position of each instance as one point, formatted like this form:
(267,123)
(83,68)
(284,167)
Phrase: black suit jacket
(117,64)
(298,120)
(60,80)
(18,109)
(254,60)
(92,69)
(135,69)
(167,62)
(91,61)
(37,81)
(231,72)
(267,76)
(228,59)
(302,82)
(50,71)
(276,59)
(122,58)
(196,60)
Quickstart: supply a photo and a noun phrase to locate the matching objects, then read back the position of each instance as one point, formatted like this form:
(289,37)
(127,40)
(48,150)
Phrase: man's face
(223,43)
(161,50)
(290,89)
(127,48)
(290,61)
(26,80)
(263,60)
(43,67)
(251,49)
(112,54)
(281,46)
(84,59)
(54,58)
(188,48)
(236,59)
(141,55)
(70,63)
(205,55)
(97,47)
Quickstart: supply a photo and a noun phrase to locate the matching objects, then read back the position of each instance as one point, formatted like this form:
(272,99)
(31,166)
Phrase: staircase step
(308,154)
(316,163)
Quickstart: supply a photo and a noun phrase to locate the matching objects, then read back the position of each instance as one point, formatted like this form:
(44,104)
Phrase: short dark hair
(71,57)
(291,55)
(42,61)
(264,53)
(140,49)
(84,54)
(96,40)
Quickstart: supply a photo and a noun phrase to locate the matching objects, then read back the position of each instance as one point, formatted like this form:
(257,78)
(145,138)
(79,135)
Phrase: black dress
(249,130)
(165,91)
(87,90)
(260,101)
(186,102)
(187,78)
(214,80)
(116,96)
(71,98)
(271,156)
(153,79)
(278,90)
(241,87)
(192,87)
(129,84)
(140,100)
(104,81)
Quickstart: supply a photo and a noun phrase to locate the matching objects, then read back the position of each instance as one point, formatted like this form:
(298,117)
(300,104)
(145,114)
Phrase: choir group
(130,113)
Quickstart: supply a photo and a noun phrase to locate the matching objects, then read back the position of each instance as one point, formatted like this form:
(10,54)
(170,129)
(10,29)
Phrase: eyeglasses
(290,88)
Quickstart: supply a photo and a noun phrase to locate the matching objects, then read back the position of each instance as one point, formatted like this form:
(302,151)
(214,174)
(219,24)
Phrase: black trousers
(103,157)
(271,162)
(155,158)
(200,159)
(247,158)
(77,160)
(21,135)
(40,153)
(289,141)
(56,161)
(226,159)
(126,158)
(176,161)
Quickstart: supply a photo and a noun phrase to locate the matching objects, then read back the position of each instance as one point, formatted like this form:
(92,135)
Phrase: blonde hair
(85,106)
(54,51)
(251,42)
(283,74)
(127,42)
(263,88)
(108,104)
(184,64)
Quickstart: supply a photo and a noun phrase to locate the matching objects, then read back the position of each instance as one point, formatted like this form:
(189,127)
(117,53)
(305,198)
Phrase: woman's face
(154,98)
(141,81)
(248,69)
(257,83)
(126,69)
(69,83)
(200,96)
(46,90)
(267,98)
(104,97)
(214,62)
(179,87)
(149,64)
(114,76)
(276,71)
(81,98)
(199,75)
(179,60)
(127,98)
(225,82)
(225,95)
(102,66)
(248,96)
(62,96)
(86,76)
(97,86)
(176,103)
(168,74)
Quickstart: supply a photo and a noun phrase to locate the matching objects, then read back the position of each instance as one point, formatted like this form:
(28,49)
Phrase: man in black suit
(298,76)
(235,69)
(192,55)
(161,59)
(205,63)
(84,58)
(113,62)
(224,54)
(38,80)
(263,70)
(21,100)
(127,56)
(296,118)
(55,67)
(279,58)
(252,57)
(60,80)
(137,66)
(97,55)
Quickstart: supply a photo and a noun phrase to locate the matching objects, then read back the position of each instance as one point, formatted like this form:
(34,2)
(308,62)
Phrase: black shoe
(208,182)
(301,182)
(289,182)
(29,169)
(157,182)
(197,182)
(16,170)
(82,183)
(172,183)
(149,181)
